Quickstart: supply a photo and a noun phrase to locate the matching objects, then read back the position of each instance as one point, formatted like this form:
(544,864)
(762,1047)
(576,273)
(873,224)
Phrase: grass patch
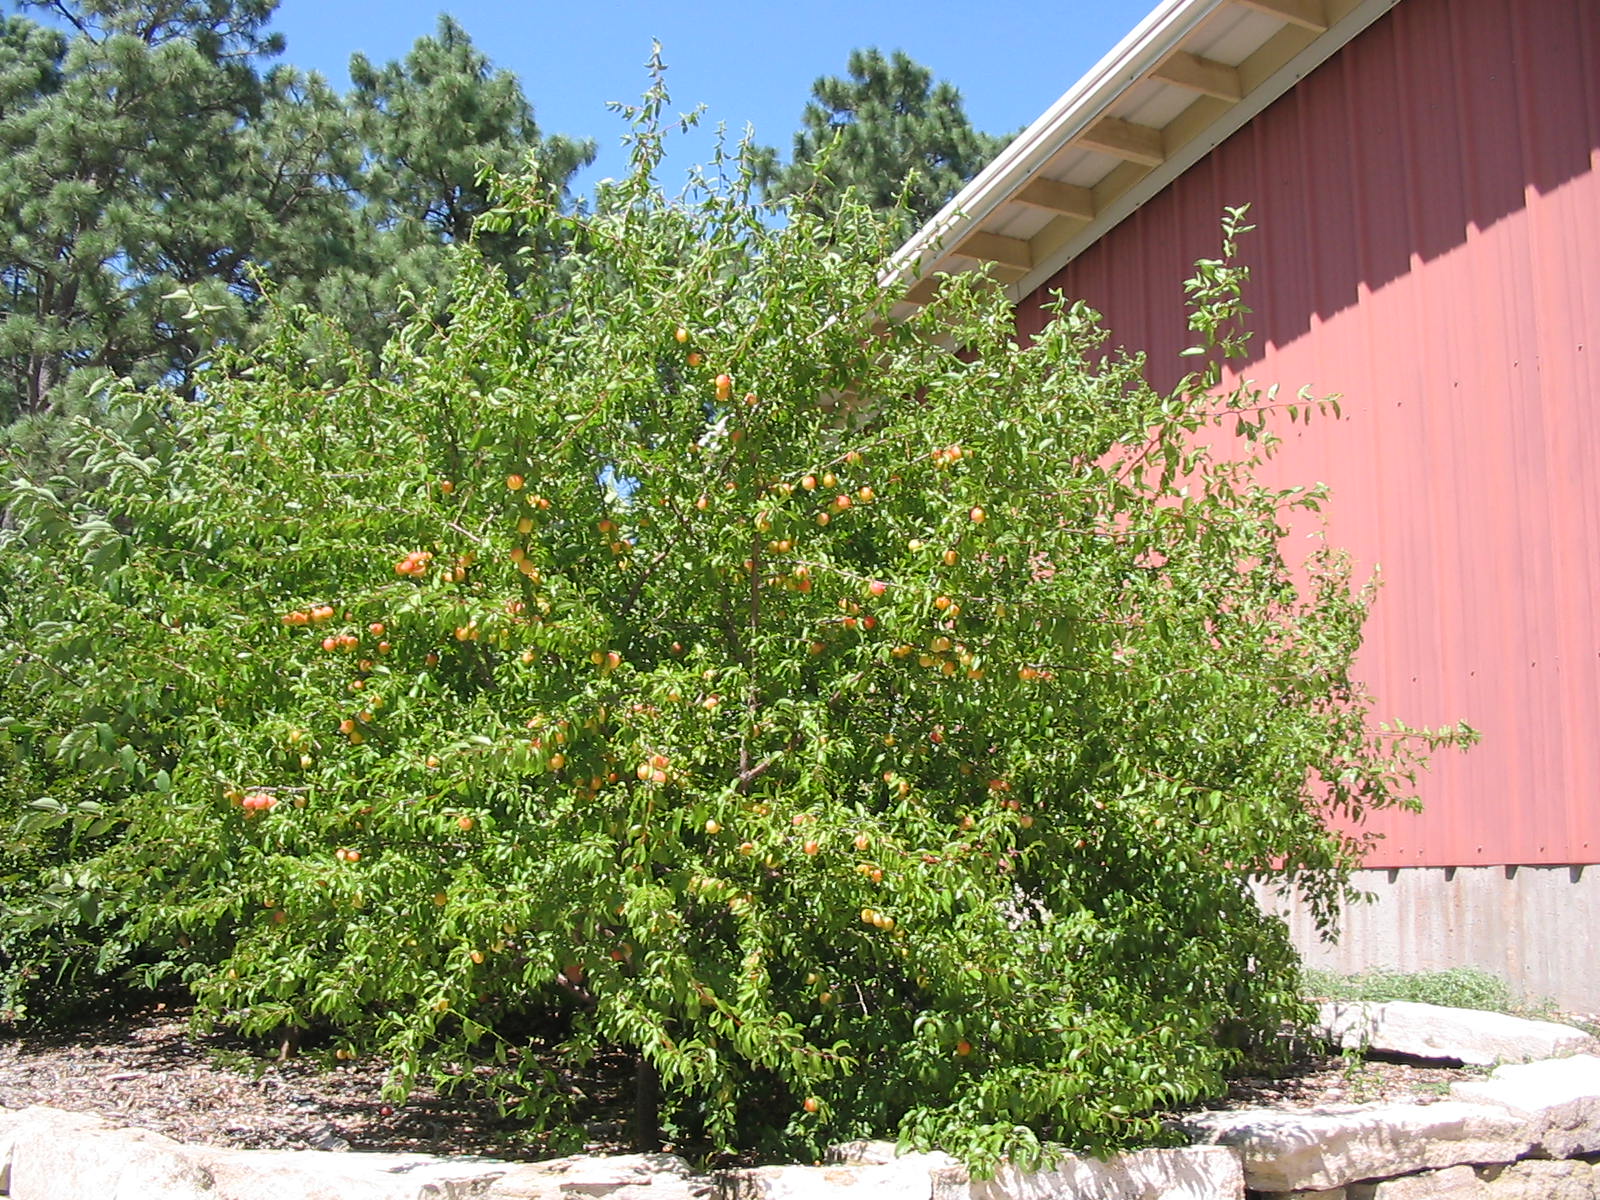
(1457,987)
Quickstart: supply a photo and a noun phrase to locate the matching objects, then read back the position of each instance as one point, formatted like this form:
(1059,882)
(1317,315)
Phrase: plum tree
(872,726)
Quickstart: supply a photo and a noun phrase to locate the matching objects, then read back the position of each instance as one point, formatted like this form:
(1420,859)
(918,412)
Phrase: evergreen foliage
(887,131)
(122,178)
(154,172)
(157,168)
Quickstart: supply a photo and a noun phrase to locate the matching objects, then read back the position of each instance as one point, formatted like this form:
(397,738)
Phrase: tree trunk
(646,1107)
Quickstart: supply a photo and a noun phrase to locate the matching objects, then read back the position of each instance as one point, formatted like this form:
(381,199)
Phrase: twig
(579,993)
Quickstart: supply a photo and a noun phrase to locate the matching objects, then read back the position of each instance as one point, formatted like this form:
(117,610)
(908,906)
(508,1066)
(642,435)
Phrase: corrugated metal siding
(1428,204)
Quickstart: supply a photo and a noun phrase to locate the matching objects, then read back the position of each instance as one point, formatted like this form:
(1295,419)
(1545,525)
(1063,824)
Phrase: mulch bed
(147,1069)
(1315,1081)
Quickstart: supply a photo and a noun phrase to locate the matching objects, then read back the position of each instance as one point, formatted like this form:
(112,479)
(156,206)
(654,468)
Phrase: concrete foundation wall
(1536,927)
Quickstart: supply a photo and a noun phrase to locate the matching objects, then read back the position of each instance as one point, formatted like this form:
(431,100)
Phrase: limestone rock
(1536,1179)
(1531,1179)
(59,1155)
(1456,1150)
(1452,1183)
(1431,1031)
(67,1156)
(1331,1147)
(344,1175)
(10,1119)
(615,1177)
(1193,1173)
(909,1177)
(1559,1098)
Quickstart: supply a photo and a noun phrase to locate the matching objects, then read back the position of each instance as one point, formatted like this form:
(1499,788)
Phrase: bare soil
(1317,1080)
(148,1069)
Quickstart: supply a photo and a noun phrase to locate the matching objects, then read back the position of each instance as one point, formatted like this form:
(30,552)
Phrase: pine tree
(446,83)
(135,187)
(888,131)
(153,176)
(435,127)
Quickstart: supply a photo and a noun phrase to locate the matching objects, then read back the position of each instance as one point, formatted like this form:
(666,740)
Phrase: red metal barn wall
(1428,248)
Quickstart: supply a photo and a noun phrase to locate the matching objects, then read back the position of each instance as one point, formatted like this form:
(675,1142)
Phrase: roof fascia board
(1127,62)
(1193,151)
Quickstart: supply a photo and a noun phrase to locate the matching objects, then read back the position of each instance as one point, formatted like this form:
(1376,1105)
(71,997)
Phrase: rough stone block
(1432,1031)
(327,1175)
(909,1177)
(68,1156)
(1531,1179)
(1193,1173)
(615,1177)
(1332,1147)
(1452,1183)
(1451,1151)
(1538,1179)
(10,1119)
(1559,1098)
(48,1154)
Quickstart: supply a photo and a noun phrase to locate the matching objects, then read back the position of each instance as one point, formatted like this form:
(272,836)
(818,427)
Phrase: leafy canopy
(871,726)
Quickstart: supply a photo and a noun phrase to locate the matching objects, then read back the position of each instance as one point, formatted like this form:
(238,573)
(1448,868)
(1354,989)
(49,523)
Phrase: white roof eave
(1129,61)
(1138,54)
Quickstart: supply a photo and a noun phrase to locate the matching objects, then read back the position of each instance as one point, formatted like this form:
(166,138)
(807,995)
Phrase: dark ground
(147,1069)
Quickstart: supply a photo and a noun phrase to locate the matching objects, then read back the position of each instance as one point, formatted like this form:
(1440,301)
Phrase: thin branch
(578,992)
(749,775)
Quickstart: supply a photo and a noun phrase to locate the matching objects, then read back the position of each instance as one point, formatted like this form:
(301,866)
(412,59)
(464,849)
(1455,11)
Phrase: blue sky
(748,63)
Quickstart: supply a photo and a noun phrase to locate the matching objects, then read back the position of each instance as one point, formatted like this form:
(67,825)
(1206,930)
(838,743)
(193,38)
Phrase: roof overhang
(1187,77)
